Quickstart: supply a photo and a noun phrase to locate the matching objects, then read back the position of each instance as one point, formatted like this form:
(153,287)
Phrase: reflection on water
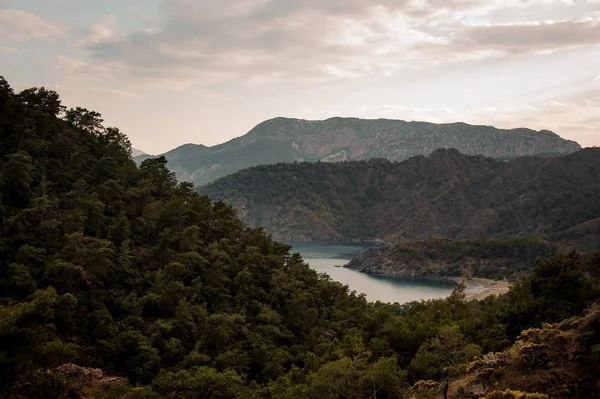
(324,258)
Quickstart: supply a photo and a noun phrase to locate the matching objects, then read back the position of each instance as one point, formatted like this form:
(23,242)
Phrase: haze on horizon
(169,72)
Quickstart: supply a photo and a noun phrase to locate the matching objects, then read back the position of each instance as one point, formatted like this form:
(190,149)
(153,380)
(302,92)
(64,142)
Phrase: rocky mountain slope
(342,139)
(137,153)
(447,194)
(557,361)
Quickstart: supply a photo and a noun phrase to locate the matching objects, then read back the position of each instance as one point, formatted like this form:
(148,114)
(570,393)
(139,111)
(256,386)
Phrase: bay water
(328,257)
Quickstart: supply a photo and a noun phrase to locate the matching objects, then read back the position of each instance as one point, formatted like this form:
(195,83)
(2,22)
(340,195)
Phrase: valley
(448,215)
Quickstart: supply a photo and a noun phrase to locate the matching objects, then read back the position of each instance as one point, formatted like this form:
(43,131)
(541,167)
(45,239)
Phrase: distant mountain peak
(192,145)
(136,153)
(345,139)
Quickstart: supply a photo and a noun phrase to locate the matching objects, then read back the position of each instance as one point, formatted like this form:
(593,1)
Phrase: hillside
(343,139)
(116,281)
(447,194)
(559,360)
(492,259)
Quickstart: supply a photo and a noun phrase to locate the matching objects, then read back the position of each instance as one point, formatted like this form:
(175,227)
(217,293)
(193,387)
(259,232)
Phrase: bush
(510,394)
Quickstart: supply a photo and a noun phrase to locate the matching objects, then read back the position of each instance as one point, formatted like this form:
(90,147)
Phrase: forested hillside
(509,258)
(347,139)
(119,282)
(447,194)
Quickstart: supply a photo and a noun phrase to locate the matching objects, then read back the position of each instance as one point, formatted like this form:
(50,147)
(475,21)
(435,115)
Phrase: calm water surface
(325,257)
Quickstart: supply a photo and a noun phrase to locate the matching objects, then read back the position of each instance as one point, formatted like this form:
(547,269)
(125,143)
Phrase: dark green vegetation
(106,265)
(542,360)
(447,194)
(342,139)
(509,258)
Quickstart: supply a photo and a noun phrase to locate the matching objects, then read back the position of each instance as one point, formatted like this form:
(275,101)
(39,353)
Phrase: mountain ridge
(341,139)
(137,152)
(447,194)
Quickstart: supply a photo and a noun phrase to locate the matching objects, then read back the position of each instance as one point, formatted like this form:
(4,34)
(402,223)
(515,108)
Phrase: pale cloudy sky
(169,72)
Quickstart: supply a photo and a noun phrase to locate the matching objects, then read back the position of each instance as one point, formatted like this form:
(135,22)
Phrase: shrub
(510,394)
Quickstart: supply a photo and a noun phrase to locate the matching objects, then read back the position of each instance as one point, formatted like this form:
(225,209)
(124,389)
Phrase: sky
(169,72)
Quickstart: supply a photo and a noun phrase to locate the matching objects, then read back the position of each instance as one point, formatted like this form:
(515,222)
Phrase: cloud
(19,25)
(531,37)
(66,66)
(123,94)
(575,118)
(8,49)
(104,30)
(264,41)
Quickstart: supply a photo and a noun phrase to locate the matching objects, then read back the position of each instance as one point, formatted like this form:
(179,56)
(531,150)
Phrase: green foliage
(199,382)
(447,194)
(425,389)
(557,288)
(345,378)
(106,265)
(487,258)
(447,353)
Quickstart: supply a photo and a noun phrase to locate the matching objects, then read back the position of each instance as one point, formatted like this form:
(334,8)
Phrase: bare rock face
(341,139)
(85,377)
(70,381)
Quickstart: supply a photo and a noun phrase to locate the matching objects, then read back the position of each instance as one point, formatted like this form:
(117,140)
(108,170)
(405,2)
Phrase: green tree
(443,354)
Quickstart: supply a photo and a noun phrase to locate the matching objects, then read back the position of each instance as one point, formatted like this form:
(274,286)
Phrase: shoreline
(479,288)
(476,288)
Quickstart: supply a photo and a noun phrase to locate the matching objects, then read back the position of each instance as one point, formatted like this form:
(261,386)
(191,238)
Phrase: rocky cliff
(343,139)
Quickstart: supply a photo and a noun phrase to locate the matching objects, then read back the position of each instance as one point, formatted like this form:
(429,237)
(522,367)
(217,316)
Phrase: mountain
(341,139)
(137,153)
(447,194)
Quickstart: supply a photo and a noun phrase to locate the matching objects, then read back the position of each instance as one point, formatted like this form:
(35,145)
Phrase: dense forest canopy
(107,265)
(447,194)
(498,259)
